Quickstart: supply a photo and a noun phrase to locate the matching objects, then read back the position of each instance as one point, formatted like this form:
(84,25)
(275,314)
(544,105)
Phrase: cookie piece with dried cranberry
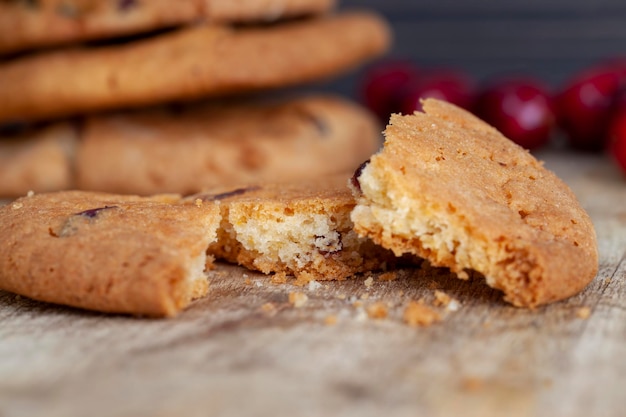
(106,252)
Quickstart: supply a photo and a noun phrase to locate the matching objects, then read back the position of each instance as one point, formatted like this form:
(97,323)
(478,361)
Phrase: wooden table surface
(229,355)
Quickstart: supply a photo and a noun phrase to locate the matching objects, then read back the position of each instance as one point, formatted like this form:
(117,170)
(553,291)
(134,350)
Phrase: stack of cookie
(144,97)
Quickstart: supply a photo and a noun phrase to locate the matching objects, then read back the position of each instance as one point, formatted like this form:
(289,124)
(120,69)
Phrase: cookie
(110,253)
(450,188)
(199,146)
(184,149)
(26,25)
(199,61)
(301,228)
(40,160)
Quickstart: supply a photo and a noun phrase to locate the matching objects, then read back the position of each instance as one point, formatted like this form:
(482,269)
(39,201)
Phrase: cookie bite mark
(451,189)
(298,228)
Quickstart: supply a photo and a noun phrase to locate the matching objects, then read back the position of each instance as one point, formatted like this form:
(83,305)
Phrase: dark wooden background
(548,39)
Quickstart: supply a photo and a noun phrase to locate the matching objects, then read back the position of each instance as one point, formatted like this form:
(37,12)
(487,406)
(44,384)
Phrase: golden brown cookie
(200,146)
(39,160)
(199,61)
(450,188)
(110,253)
(301,228)
(31,24)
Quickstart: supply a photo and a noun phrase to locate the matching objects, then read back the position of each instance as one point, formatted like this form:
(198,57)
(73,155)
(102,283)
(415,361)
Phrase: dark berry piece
(451,86)
(91,213)
(384,86)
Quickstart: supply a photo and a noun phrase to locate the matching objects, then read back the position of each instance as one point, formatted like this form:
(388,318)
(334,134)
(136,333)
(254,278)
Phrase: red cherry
(384,84)
(447,85)
(584,107)
(520,109)
(617,138)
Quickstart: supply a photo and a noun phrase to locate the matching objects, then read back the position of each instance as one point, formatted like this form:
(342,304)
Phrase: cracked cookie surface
(450,188)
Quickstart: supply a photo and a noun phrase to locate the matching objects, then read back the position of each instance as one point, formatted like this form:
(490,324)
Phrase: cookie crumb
(198,202)
(453,306)
(17,206)
(247,281)
(330,320)
(463,275)
(583,313)
(303,279)
(441,298)
(388,276)
(258,283)
(314,285)
(341,296)
(377,310)
(365,296)
(369,282)
(279,278)
(473,384)
(30,193)
(444,300)
(298,299)
(417,313)
(269,308)
(361,315)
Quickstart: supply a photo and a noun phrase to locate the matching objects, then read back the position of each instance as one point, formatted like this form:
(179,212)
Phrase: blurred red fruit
(617,138)
(520,109)
(585,105)
(384,85)
(451,86)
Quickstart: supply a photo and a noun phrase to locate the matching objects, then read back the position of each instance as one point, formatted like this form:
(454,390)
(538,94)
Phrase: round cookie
(200,146)
(26,25)
(110,253)
(450,188)
(199,61)
(40,160)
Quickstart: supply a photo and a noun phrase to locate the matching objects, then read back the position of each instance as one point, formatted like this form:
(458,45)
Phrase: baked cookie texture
(301,229)
(450,188)
(194,62)
(195,147)
(26,25)
(184,149)
(39,160)
(111,253)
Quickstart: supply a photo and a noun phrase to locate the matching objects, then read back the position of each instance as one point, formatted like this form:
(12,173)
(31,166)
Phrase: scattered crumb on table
(298,299)
(378,310)
(388,276)
(583,313)
(417,313)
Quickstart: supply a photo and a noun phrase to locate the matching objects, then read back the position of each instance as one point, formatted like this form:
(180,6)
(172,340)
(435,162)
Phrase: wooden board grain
(233,354)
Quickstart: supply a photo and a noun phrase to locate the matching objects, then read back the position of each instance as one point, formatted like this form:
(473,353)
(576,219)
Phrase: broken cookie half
(105,252)
(450,188)
(301,229)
